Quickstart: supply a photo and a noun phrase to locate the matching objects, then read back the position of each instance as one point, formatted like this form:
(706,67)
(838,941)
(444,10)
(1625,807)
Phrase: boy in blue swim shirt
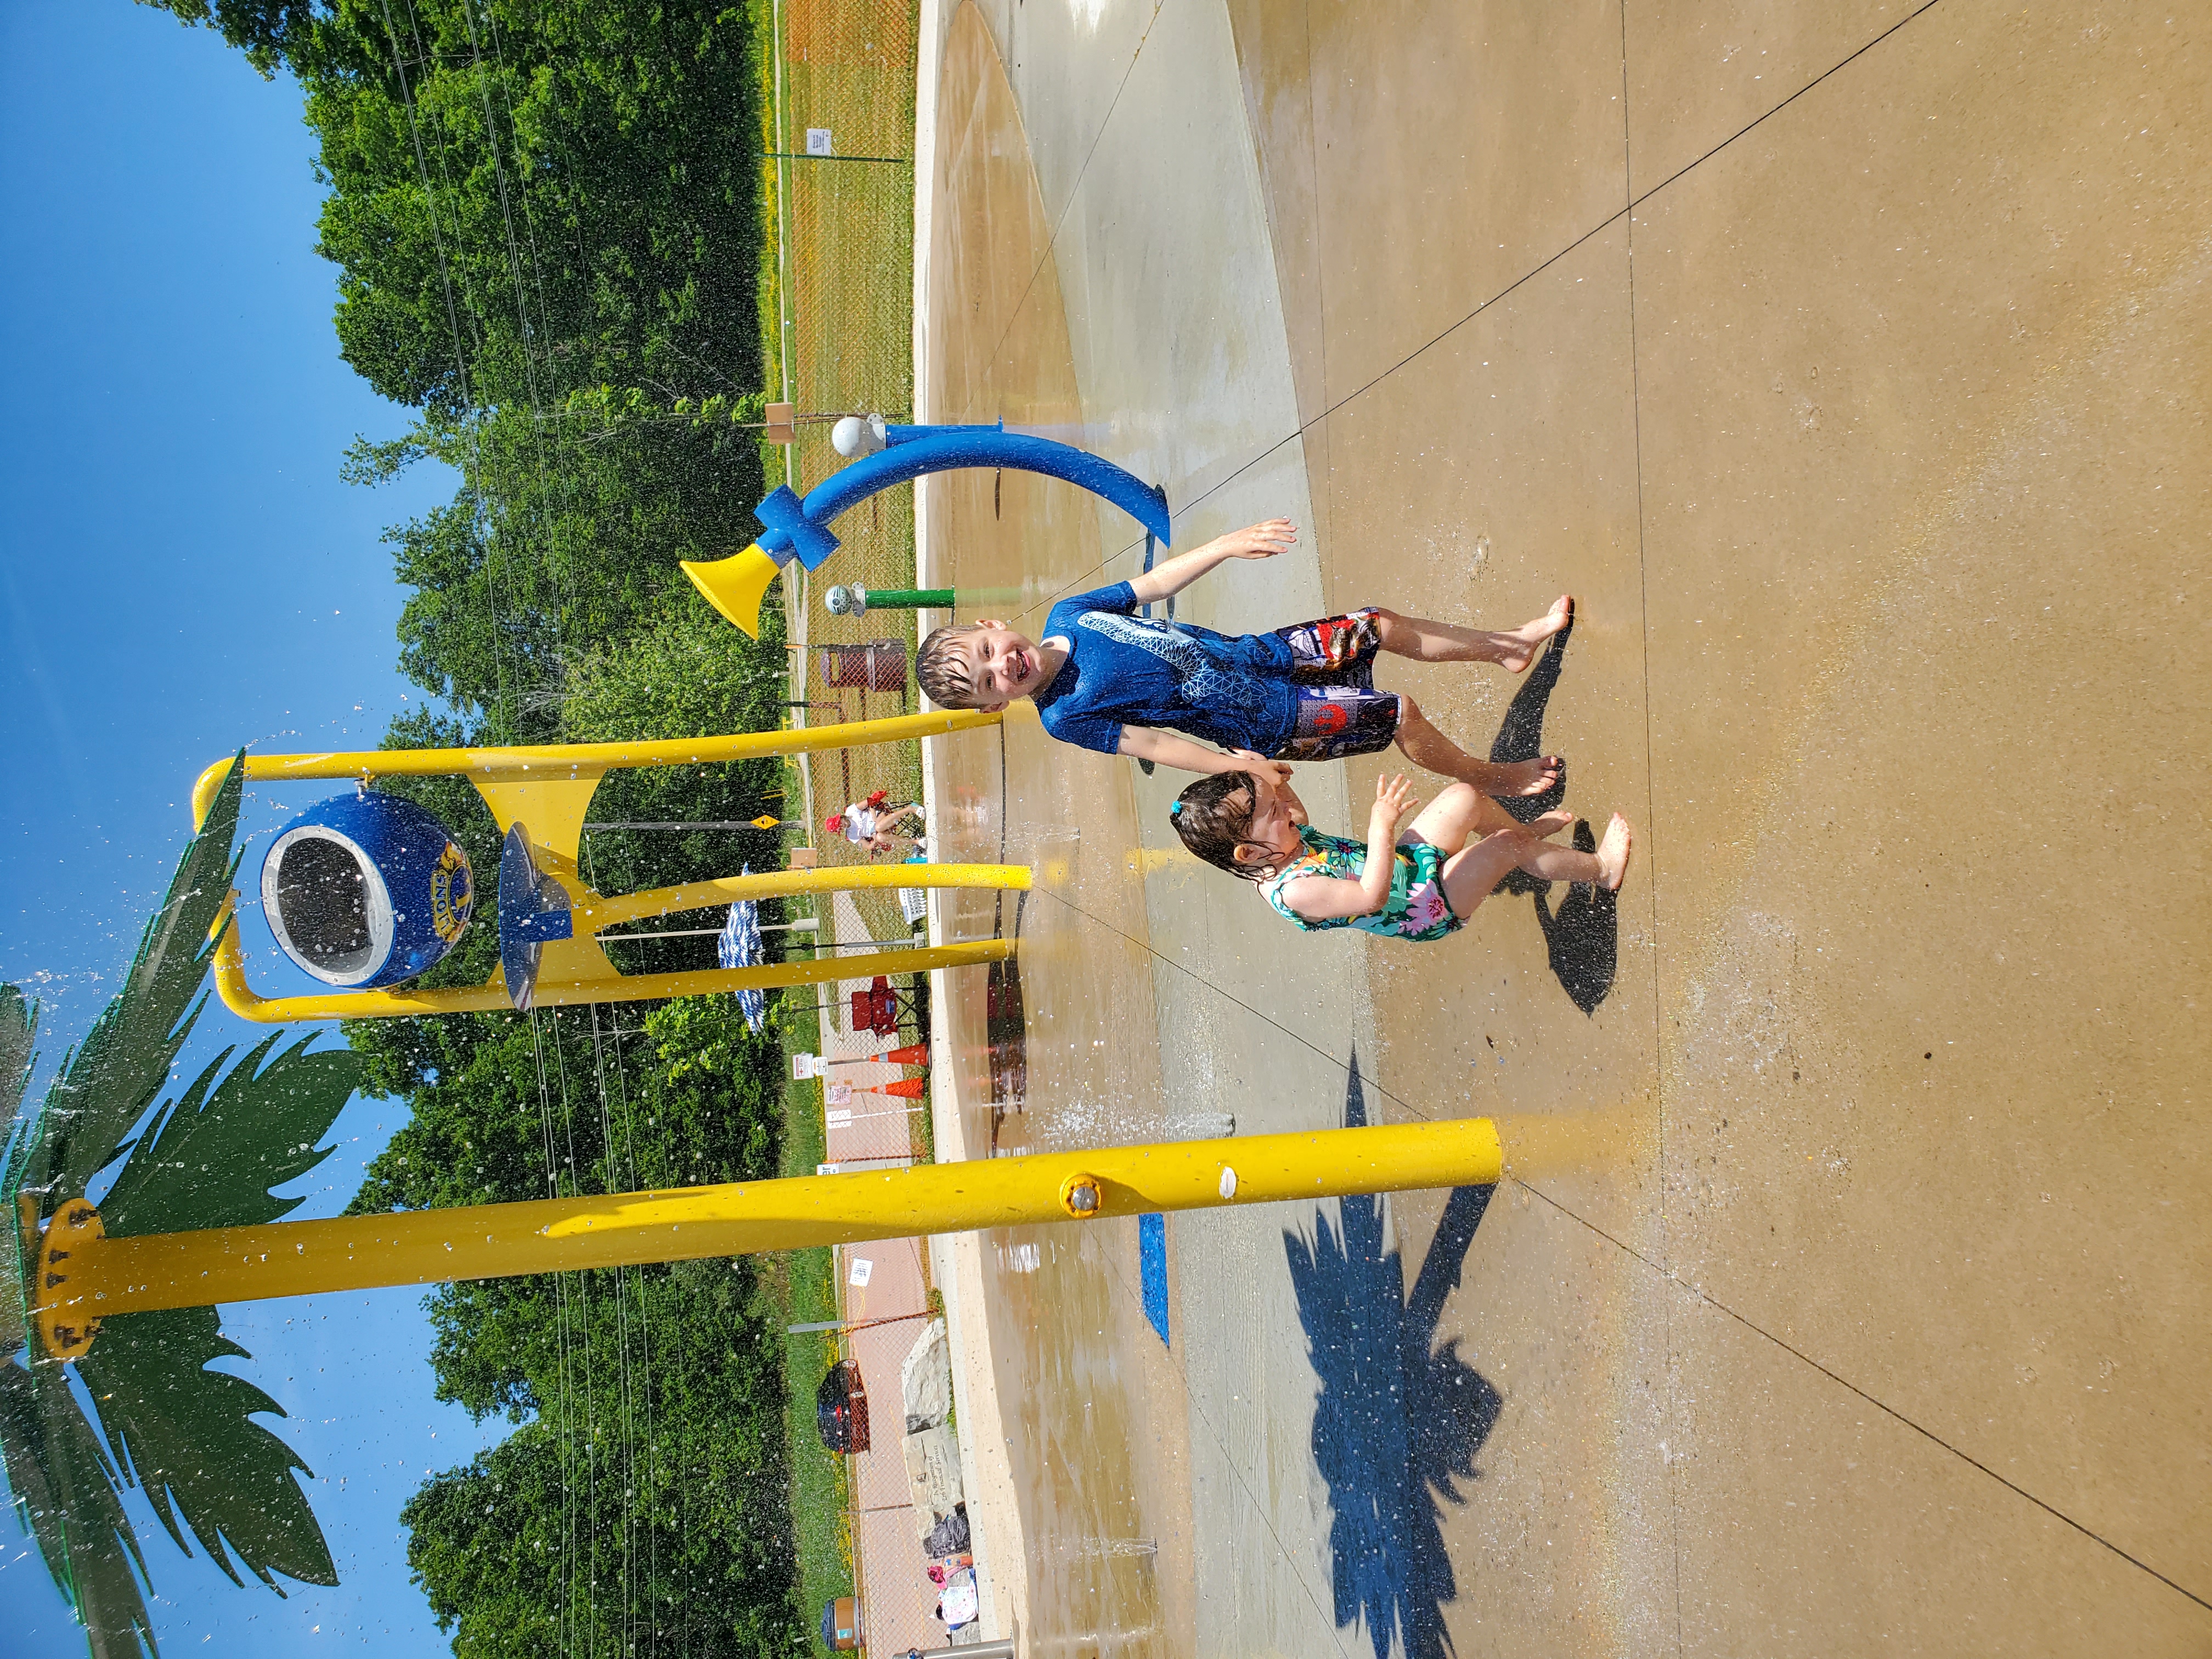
(1105,679)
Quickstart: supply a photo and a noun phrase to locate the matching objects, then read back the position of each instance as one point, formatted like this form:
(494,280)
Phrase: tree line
(545,217)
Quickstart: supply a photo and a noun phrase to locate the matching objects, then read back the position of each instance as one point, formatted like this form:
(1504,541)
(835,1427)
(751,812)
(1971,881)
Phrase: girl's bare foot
(1512,778)
(1524,641)
(1549,825)
(1612,853)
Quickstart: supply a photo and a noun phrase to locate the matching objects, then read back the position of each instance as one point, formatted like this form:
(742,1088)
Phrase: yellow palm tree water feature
(550,917)
(125,1296)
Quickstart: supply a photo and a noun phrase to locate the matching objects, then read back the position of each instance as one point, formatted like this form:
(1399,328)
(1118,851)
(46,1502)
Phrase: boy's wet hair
(1214,824)
(942,671)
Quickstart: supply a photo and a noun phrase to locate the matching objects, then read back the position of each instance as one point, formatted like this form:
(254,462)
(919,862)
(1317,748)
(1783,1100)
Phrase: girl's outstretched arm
(1324,898)
(1259,541)
(1392,797)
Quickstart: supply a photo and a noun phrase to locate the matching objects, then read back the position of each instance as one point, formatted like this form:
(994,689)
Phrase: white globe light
(853,435)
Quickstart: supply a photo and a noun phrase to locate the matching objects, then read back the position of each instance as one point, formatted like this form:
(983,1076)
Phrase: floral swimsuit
(1416,908)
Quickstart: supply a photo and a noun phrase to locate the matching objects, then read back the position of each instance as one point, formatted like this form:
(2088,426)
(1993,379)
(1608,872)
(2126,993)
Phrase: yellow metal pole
(240,998)
(580,759)
(597,913)
(86,1277)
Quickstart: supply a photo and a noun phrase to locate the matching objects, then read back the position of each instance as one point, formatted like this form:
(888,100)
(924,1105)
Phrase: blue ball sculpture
(367,890)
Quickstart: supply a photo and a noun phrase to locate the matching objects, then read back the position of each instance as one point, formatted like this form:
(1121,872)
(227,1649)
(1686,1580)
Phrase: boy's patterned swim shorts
(1335,650)
(1340,712)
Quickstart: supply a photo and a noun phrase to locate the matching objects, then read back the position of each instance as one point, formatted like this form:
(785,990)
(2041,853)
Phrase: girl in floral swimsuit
(1418,886)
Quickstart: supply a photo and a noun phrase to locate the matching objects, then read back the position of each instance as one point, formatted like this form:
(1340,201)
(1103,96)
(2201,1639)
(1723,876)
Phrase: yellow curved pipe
(587,760)
(596,911)
(735,585)
(491,996)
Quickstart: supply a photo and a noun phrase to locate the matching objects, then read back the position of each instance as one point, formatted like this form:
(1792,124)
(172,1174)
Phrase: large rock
(926,1379)
(933,1473)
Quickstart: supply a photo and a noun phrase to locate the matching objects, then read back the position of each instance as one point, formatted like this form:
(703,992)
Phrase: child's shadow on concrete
(1583,936)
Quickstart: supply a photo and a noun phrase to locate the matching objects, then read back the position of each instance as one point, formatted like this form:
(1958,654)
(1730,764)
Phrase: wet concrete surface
(1851,365)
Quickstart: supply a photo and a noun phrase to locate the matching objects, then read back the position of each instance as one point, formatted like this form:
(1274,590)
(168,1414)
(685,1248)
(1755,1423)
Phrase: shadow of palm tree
(1399,1417)
(1582,937)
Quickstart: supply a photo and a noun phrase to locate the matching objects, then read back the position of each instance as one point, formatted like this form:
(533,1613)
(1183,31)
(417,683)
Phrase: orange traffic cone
(915,1053)
(907,1088)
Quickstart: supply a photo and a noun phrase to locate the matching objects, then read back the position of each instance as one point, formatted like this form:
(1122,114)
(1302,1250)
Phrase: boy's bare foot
(1528,639)
(1612,853)
(1507,779)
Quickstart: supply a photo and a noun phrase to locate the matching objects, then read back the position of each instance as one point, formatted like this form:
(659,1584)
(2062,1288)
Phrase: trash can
(841,1624)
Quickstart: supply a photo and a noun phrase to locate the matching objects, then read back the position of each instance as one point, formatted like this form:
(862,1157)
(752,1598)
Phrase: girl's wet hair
(1214,824)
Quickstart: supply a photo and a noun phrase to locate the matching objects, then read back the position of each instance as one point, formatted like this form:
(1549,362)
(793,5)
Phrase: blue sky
(182,572)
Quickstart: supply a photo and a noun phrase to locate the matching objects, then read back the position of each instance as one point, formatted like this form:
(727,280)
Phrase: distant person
(1107,679)
(1421,885)
(960,1604)
(868,824)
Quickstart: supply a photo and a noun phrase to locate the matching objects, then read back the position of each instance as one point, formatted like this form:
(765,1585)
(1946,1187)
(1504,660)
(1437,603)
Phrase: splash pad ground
(1849,365)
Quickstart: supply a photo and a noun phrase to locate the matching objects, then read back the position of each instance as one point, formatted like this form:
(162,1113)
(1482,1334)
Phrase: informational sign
(804,1066)
(837,1094)
(817,141)
(861,1269)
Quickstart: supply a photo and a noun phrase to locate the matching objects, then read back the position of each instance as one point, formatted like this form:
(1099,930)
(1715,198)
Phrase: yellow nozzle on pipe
(735,585)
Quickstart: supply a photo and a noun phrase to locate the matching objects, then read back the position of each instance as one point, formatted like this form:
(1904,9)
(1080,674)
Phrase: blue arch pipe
(798,528)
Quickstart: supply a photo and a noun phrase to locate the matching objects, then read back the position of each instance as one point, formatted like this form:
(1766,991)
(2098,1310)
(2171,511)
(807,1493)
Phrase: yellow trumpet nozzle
(735,585)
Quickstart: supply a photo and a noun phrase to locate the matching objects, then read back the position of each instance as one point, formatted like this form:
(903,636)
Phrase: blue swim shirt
(1124,670)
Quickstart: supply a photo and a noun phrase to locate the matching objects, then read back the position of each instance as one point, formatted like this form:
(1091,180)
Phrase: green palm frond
(187,1434)
(19,1025)
(208,1158)
(211,1161)
(111,1080)
(65,1492)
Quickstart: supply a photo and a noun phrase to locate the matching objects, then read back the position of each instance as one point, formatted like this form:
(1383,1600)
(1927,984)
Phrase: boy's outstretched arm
(1259,541)
(1168,749)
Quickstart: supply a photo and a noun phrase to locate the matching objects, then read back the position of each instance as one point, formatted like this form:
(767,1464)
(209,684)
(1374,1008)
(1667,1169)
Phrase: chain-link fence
(884,1291)
(841,182)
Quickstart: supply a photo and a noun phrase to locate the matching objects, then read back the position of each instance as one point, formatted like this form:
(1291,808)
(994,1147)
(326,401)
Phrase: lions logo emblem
(453,893)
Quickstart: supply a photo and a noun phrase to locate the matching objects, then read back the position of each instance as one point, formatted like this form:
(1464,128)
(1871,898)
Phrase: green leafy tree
(271,32)
(552,548)
(529,195)
(546,218)
(532,203)
(646,1483)
(644,1506)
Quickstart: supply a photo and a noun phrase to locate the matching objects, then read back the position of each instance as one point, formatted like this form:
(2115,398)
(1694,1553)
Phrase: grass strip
(806,1293)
